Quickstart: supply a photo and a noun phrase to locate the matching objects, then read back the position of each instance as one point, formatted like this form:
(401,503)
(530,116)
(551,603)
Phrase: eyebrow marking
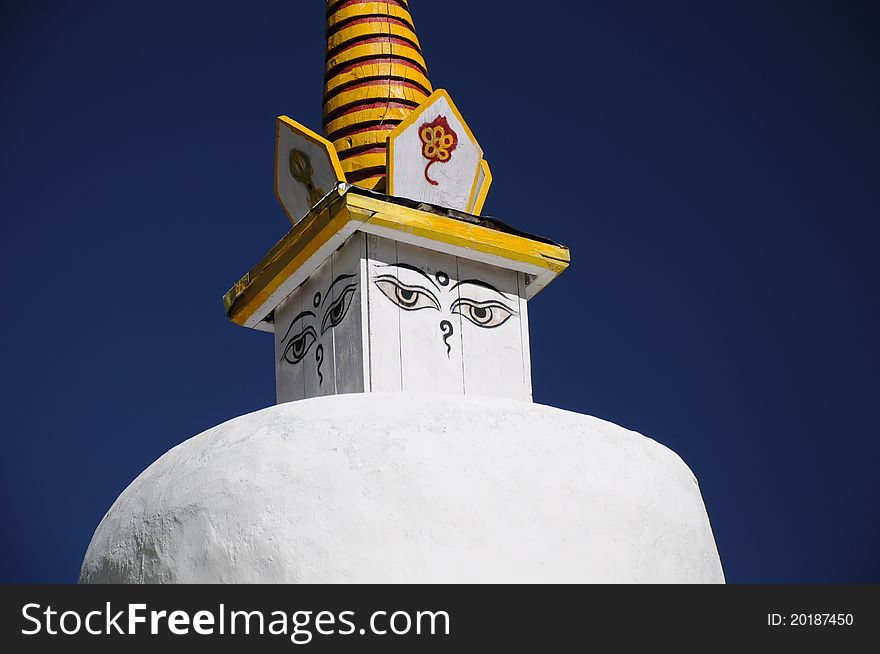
(407,266)
(304,314)
(330,288)
(477,282)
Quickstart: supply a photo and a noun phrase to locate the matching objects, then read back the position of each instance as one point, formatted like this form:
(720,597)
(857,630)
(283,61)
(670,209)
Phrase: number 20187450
(810,619)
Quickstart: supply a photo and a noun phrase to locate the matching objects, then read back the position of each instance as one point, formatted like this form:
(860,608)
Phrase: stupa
(404,446)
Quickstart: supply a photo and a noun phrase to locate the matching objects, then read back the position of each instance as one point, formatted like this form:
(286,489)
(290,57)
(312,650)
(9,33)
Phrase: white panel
(441,171)
(289,380)
(304,171)
(342,315)
(489,307)
(383,321)
(430,334)
(524,330)
(318,365)
(380,315)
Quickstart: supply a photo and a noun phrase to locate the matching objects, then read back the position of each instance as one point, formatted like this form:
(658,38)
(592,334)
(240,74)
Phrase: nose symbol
(447,329)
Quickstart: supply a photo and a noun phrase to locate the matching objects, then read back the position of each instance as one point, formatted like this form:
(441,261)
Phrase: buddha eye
(299,345)
(408,298)
(483,314)
(337,310)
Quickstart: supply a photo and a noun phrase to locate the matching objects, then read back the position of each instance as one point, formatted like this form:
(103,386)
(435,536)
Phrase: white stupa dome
(409,488)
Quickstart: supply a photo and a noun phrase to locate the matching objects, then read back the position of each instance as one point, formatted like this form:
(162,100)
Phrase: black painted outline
(304,314)
(486,304)
(318,299)
(477,282)
(338,279)
(447,330)
(344,300)
(415,269)
(398,286)
(319,357)
(308,330)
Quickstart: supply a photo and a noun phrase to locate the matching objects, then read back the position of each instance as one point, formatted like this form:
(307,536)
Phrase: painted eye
(299,345)
(409,298)
(483,314)
(337,310)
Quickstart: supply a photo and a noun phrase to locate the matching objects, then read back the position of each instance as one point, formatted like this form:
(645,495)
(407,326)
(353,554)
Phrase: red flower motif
(438,143)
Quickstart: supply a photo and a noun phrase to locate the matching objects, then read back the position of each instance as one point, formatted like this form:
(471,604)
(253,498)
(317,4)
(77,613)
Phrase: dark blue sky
(712,166)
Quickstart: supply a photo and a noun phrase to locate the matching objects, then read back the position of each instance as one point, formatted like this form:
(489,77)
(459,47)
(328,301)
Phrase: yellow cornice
(342,213)
(466,235)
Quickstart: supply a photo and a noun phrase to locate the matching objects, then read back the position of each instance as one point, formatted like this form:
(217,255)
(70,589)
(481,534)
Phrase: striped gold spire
(374,77)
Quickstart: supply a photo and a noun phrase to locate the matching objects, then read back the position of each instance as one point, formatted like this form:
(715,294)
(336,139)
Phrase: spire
(383,284)
(374,77)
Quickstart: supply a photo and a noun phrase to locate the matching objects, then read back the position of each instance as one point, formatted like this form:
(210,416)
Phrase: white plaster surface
(406,487)
(381,345)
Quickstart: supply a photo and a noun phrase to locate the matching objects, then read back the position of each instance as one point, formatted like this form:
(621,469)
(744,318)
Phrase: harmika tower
(404,445)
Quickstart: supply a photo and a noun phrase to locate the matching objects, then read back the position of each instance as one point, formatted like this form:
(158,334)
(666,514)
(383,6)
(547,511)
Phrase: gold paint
(375,50)
(301,170)
(373,137)
(380,69)
(366,9)
(378,94)
(364,115)
(322,224)
(373,182)
(390,90)
(371,29)
(284,122)
(361,161)
(462,234)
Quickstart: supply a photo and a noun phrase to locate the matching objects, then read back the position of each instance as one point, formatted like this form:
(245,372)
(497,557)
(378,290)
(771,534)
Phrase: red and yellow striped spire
(374,77)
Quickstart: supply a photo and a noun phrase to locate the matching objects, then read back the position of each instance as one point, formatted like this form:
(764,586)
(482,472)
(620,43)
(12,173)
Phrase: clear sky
(713,167)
